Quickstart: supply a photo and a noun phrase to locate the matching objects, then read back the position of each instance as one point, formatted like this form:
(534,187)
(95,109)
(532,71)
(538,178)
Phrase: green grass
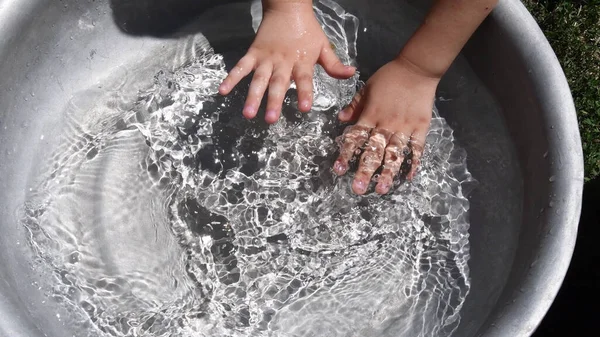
(573,29)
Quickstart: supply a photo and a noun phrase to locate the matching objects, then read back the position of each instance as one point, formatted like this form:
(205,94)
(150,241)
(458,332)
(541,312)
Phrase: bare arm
(446,29)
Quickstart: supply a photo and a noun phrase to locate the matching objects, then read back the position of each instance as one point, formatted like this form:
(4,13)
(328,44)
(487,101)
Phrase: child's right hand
(288,44)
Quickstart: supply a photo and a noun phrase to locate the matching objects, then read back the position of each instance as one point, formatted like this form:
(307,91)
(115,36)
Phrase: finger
(278,86)
(242,69)
(417,146)
(354,109)
(260,80)
(395,152)
(332,64)
(303,76)
(354,137)
(371,159)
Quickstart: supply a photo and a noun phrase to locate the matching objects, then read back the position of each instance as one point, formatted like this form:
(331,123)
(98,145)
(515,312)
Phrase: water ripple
(163,212)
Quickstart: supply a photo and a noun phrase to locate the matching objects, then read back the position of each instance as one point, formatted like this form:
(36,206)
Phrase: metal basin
(505,97)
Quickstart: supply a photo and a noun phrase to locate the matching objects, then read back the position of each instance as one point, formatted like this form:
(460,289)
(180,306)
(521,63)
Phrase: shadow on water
(226,24)
(161,18)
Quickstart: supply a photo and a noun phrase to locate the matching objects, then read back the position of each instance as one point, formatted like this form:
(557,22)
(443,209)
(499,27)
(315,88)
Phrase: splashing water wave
(165,213)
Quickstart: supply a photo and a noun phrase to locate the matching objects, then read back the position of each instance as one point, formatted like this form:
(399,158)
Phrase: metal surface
(505,96)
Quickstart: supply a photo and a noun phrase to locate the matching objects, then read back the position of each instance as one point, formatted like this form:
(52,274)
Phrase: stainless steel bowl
(506,97)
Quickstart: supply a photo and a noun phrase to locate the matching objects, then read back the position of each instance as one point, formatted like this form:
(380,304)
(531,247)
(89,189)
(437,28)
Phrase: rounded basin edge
(523,308)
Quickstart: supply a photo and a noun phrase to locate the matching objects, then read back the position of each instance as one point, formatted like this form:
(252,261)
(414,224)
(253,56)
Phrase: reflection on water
(165,213)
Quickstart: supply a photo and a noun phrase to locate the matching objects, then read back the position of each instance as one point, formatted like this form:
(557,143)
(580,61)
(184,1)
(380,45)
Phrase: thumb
(352,112)
(332,65)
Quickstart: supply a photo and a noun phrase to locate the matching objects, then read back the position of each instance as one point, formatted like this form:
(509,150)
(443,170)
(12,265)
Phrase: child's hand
(394,109)
(393,112)
(288,43)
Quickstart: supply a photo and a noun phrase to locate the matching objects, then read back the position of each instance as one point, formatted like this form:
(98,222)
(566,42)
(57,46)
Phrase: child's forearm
(446,29)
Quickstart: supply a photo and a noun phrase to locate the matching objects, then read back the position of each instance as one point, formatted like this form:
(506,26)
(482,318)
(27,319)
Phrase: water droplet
(552,179)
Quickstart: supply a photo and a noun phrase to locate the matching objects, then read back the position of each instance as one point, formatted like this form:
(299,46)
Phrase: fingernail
(350,68)
(344,114)
(249,111)
(383,188)
(271,115)
(223,87)
(339,167)
(359,186)
(305,104)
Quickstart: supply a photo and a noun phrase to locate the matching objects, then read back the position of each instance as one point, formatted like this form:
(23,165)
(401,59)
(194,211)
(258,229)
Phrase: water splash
(166,213)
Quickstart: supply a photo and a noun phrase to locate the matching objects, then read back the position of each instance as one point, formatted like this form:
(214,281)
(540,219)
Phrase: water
(165,213)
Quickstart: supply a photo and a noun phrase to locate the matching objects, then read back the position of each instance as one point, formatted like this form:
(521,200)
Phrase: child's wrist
(417,66)
(289,6)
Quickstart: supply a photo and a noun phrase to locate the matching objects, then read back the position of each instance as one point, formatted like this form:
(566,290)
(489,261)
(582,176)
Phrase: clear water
(165,213)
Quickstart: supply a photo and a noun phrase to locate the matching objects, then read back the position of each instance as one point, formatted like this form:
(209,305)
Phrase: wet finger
(257,89)
(354,137)
(417,146)
(351,112)
(395,152)
(303,76)
(371,159)
(278,86)
(332,64)
(242,69)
